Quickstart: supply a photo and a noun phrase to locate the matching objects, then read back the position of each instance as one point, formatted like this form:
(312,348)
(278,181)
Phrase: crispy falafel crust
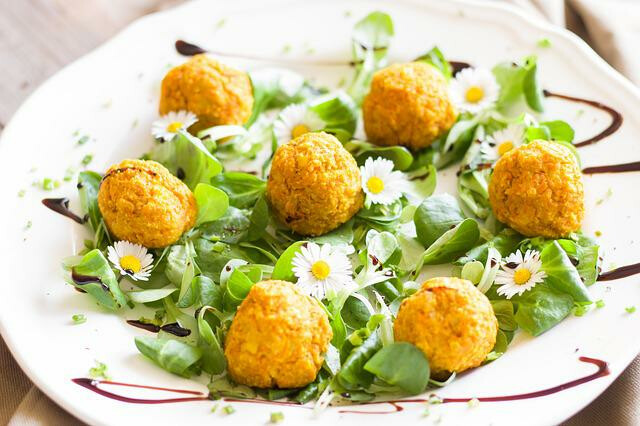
(537,190)
(278,337)
(451,322)
(216,93)
(143,203)
(409,105)
(314,185)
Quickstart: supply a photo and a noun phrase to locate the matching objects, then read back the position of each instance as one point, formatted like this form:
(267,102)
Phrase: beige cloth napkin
(612,27)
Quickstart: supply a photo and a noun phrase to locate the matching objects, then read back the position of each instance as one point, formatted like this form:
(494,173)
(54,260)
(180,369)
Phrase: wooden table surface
(38,37)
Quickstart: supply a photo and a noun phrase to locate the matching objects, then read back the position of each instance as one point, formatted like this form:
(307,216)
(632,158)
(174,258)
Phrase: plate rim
(515,12)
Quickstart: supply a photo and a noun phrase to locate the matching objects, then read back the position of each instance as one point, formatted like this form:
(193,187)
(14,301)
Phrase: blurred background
(38,37)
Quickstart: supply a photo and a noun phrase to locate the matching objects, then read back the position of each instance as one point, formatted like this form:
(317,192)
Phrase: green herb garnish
(99,371)
(276,417)
(79,319)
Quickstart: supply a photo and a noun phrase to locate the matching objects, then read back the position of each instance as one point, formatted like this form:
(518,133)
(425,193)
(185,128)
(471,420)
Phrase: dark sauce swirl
(616,117)
(61,206)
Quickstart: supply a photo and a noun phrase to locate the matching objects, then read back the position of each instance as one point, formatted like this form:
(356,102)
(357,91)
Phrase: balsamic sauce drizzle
(93,385)
(173,328)
(618,273)
(616,117)
(603,370)
(613,168)
(61,206)
(81,280)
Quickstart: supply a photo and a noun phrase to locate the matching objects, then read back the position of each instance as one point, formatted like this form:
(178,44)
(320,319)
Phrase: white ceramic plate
(112,95)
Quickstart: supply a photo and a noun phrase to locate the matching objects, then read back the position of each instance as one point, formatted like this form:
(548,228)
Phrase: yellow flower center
(299,130)
(375,185)
(174,127)
(130,264)
(474,94)
(320,270)
(505,147)
(521,276)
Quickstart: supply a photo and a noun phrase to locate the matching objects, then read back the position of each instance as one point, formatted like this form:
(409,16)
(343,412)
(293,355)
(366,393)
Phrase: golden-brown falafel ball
(278,337)
(314,185)
(537,190)
(142,202)
(216,93)
(451,322)
(408,105)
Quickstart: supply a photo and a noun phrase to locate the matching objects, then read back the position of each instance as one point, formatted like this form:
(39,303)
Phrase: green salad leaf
(94,275)
(151,295)
(452,243)
(436,58)
(277,87)
(371,38)
(401,364)
(519,82)
(88,187)
(562,276)
(339,112)
(283,270)
(213,360)
(436,215)
(212,203)
(541,308)
(353,376)
(361,150)
(243,189)
(172,355)
(186,157)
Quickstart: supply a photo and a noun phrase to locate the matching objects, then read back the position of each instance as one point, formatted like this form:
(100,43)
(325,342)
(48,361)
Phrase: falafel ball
(278,337)
(451,322)
(216,93)
(409,105)
(537,190)
(314,184)
(143,203)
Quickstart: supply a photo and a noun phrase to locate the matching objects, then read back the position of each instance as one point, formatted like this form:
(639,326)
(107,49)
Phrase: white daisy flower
(296,120)
(167,126)
(474,89)
(506,139)
(131,259)
(321,270)
(519,274)
(380,183)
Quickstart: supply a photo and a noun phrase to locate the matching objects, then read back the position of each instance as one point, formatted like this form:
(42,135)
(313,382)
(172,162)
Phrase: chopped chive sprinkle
(68,174)
(221,23)
(84,139)
(78,319)
(435,399)
(600,303)
(228,409)
(87,159)
(276,417)
(215,407)
(630,309)
(580,309)
(544,42)
(21,193)
(99,371)
(48,184)
(28,225)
